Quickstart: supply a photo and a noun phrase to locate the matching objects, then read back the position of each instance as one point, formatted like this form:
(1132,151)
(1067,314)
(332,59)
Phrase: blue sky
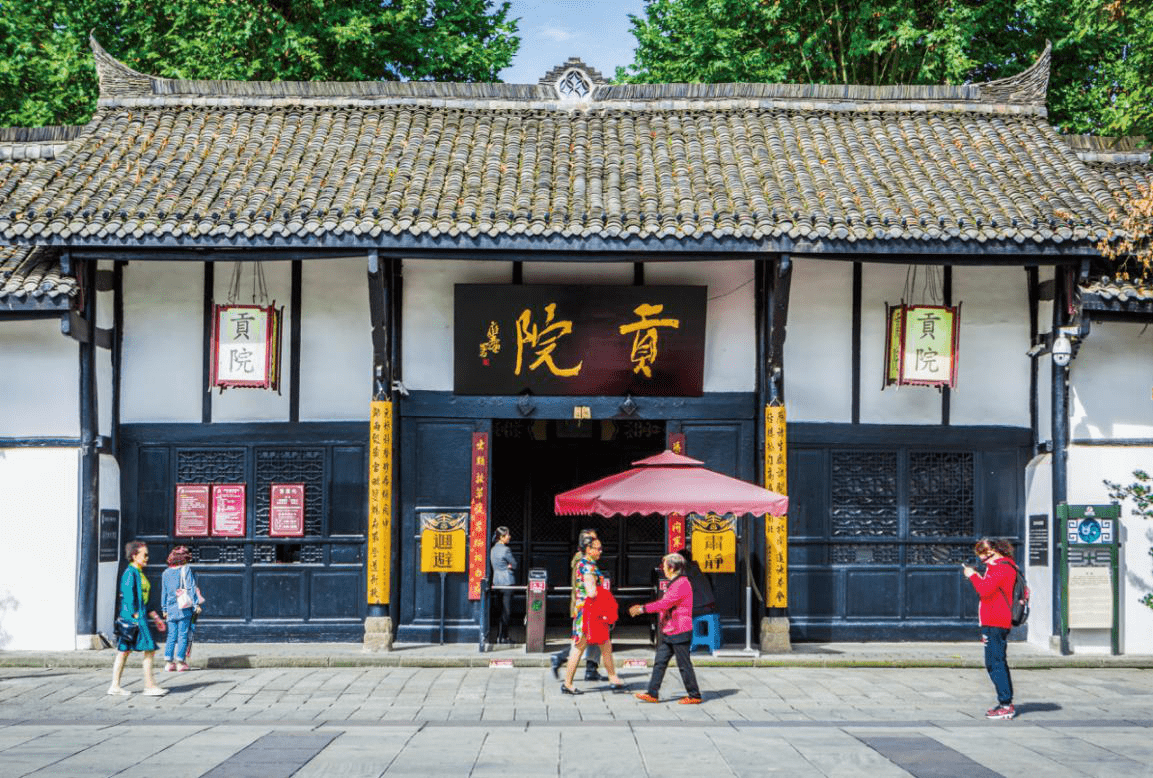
(551,31)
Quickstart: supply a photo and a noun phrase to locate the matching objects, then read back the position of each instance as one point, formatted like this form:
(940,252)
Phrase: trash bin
(535,610)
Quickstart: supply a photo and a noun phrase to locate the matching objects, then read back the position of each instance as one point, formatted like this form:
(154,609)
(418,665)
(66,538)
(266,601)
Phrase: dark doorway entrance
(533,460)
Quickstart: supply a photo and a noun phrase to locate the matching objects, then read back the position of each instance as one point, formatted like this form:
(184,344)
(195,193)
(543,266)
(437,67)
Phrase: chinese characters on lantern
(478,521)
(644,340)
(246,346)
(922,344)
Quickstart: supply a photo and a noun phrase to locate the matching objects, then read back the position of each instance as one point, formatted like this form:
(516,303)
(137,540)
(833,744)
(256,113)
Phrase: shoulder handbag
(127,630)
(183,597)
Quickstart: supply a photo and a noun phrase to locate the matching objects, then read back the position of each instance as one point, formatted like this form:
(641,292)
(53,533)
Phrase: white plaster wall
(993,370)
(426,338)
(1039,499)
(236,405)
(730,333)
(819,343)
(1045,365)
(39,491)
(600,273)
(105,319)
(909,404)
(106,575)
(335,341)
(1088,468)
(39,375)
(162,368)
(1111,383)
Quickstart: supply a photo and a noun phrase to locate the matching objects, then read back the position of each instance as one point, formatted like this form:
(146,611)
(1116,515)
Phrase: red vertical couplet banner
(478,514)
(676,521)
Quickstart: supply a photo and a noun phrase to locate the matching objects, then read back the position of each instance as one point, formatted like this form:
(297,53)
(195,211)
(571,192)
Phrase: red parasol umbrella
(670,483)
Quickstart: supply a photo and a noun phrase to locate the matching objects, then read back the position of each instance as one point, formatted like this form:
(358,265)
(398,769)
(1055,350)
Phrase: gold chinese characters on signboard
(378,568)
(443,542)
(715,542)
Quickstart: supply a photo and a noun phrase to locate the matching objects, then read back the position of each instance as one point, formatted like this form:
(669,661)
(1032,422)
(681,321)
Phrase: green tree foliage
(1139,495)
(1102,71)
(47,76)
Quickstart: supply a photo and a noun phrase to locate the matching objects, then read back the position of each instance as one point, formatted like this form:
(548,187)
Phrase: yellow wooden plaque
(715,542)
(378,571)
(443,542)
(776,527)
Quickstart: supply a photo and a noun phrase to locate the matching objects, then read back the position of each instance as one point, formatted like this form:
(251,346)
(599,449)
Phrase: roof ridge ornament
(116,78)
(573,80)
(1029,86)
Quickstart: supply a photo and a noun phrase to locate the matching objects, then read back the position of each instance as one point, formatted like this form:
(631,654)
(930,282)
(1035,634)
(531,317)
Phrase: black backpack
(1019,607)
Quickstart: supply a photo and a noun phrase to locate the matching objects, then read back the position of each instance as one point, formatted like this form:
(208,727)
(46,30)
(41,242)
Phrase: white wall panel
(730,332)
(1111,383)
(38,489)
(909,404)
(39,375)
(427,329)
(335,340)
(993,371)
(600,273)
(161,377)
(819,343)
(233,405)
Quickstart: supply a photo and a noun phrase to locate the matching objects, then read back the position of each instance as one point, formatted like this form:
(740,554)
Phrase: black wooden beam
(87,561)
(1059,407)
(1033,289)
(947,293)
(206,339)
(294,318)
(858,282)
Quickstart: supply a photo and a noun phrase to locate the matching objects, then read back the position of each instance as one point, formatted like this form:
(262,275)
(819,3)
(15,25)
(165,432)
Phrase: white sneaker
(155,691)
(116,691)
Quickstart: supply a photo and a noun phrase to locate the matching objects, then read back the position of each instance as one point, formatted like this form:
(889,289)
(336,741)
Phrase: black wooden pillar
(773,285)
(383,317)
(1060,443)
(87,558)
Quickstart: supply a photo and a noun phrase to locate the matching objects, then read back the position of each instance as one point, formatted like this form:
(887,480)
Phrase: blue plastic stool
(707,632)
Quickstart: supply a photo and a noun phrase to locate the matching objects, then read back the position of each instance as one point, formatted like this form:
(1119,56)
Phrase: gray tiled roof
(236,163)
(1124,163)
(29,274)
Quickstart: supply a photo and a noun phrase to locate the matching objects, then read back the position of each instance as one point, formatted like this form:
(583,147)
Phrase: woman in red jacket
(995,588)
(676,625)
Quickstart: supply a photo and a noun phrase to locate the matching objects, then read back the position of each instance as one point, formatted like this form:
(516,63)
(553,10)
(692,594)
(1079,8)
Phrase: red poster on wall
(228,510)
(286,511)
(191,510)
(478,518)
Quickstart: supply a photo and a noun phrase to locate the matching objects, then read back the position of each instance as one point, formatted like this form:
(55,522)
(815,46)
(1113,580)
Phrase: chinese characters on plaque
(246,346)
(286,511)
(922,343)
(478,522)
(217,509)
(443,546)
(776,527)
(715,542)
(378,569)
(562,340)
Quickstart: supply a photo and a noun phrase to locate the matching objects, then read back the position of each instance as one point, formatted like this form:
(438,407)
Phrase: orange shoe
(690,701)
(645,697)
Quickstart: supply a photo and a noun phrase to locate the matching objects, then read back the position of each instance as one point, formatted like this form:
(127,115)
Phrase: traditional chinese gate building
(491,293)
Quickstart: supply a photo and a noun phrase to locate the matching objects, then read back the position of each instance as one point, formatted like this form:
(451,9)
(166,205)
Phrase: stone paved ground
(458,721)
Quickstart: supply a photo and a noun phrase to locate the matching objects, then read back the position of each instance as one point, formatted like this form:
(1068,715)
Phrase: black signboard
(109,535)
(579,340)
(1039,539)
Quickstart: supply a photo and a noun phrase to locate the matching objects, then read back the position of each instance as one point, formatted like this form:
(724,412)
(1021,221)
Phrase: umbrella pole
(748,650)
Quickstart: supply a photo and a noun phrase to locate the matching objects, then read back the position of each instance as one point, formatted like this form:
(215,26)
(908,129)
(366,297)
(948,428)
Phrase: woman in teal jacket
(134,590)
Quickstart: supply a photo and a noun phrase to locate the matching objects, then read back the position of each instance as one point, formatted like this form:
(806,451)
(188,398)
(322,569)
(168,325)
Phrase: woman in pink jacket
(676,624)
